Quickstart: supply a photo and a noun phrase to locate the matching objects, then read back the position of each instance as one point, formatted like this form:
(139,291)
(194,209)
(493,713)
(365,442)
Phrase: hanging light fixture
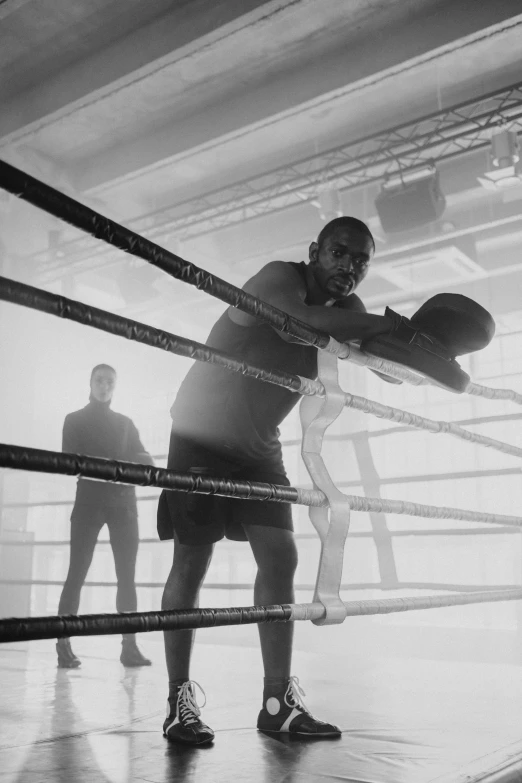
(504,162)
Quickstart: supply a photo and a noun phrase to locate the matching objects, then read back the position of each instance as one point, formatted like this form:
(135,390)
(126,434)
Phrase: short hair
(345,221)
(102,367)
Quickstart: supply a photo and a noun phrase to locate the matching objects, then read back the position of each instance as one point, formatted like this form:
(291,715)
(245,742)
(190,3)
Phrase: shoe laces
(187,707)
(294,696)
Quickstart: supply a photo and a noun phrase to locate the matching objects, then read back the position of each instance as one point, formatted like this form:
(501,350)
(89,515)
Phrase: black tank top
(228,412)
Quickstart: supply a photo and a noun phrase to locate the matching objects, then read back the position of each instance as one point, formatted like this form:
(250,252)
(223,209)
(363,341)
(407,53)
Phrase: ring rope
(469,588)
(118,471)
(42,461)
(60,306)
(490,393)
(392,605)
(31,628)
(429,425)
(63,307)
(101,227)
(85,219)
(356,356)
(426,532)
(406,507)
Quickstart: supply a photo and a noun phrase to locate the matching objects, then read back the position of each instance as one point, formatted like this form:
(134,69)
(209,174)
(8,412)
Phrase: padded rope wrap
(494,394)
(61,306)
(402,373)
(381,506)
(38,460)
(311,388)
(23,458)
(392,605)
(429,425)
(66,208)
(341,350)
(22,629)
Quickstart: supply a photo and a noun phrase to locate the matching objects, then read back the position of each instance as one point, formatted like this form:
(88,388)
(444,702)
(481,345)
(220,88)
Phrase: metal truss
(437,137)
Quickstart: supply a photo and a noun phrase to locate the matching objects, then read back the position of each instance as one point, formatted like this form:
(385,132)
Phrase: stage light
(410,199)
(504,159)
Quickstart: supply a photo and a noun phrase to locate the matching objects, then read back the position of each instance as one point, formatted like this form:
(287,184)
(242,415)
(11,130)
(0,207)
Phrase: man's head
(103,381)
(340,258)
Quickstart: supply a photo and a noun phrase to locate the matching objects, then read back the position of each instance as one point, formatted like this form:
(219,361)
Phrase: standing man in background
(98,431)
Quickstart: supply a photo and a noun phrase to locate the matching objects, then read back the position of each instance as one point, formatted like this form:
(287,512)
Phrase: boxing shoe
(183,722)
(286,712)
(66,658)
(131,654)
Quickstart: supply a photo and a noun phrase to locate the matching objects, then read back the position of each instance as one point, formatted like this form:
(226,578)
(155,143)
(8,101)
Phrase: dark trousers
(86,523)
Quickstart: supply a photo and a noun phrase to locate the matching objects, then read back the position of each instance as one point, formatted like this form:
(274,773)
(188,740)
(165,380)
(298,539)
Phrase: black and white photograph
(260,391)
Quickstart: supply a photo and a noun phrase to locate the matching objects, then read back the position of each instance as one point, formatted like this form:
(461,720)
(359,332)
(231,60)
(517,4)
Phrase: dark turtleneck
(98,431)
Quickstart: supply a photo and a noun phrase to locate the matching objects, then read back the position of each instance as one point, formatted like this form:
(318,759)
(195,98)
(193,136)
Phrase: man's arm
(279,285)
(70,437)
(137,450)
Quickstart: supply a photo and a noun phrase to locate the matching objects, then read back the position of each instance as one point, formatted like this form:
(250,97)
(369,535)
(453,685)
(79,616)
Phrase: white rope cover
(430,425)
(316,611)
(353,353)
(358,503)
(494,394)
(314,497)
(363,404)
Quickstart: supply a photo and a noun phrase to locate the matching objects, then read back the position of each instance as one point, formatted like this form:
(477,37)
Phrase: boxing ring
(369,750)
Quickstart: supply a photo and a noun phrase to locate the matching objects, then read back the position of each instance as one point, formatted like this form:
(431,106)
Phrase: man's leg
(85,528)
(188,571)
(124,537)
(283,709)
(189,567)
(84,534)
(197,522)
(275,554)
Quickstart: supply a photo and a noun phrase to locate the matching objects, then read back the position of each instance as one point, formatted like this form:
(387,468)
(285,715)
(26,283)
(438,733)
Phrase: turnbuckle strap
(332,521)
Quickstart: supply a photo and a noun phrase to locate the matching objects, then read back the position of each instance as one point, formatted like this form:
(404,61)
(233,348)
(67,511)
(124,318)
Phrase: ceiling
(212,126)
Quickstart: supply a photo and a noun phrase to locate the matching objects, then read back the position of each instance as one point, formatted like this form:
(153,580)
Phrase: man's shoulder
(279,273)
(278,267)
(84,413)
(76,415)
(125,422)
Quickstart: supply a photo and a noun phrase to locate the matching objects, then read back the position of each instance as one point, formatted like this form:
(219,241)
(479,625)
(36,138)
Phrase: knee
(280,568)
(190,567)
(190,576)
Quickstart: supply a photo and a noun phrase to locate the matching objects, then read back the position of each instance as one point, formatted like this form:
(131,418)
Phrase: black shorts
(204,519)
